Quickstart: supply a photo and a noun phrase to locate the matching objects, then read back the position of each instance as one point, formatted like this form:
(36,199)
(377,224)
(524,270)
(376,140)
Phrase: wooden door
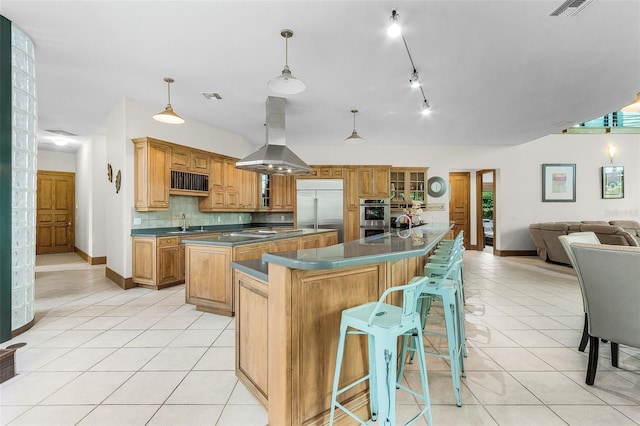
(55,229)
(459,204)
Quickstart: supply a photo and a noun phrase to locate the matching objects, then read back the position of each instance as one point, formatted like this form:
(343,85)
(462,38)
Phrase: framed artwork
(613,182)
(558,182)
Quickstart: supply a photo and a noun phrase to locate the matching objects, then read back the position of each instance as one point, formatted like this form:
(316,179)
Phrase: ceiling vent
(61,132)
(211,95)
(571,8)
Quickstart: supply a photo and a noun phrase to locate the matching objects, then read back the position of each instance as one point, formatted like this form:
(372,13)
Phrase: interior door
(459,211)
(55,228)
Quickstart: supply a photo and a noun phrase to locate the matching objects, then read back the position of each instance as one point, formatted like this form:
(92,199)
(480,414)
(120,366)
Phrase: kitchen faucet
(184,222)
(410,225)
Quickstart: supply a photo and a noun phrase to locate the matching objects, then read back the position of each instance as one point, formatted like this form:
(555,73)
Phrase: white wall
(130,120)
(56,161)
(518,180)
(91,185)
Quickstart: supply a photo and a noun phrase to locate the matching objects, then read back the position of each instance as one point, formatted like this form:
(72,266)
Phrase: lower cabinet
(159,262)
(252,333)
(208,277)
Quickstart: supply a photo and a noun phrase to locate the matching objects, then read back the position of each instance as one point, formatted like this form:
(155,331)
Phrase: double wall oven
(375,216)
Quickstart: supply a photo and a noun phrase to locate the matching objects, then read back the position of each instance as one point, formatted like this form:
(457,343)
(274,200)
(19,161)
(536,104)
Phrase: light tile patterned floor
(102,356)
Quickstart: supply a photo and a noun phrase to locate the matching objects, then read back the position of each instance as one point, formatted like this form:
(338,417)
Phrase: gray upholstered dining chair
(612,309)
(565,241)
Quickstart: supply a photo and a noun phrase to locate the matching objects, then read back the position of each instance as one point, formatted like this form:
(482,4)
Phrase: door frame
(479,227)
(72,216)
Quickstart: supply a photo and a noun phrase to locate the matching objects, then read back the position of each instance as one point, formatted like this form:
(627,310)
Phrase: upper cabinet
(187,159)
(223,194)
(151,174)
(406,186)
(276,192)
(373,182)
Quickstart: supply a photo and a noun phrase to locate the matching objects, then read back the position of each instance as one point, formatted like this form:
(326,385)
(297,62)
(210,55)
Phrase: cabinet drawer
(168,241)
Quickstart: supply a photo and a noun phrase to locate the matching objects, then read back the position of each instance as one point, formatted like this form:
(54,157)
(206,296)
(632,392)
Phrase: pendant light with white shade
(286,83)
(168,115)
(355,138)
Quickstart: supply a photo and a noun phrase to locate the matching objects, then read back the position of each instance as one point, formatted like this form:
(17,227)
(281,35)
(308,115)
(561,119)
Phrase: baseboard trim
(101,260)
(506,253)
(22,329)
(122,282)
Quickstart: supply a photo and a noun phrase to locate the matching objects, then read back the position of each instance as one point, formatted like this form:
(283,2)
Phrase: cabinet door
(247,189)
(351,189)
(381,182)
(365,183)
(287,244)
(208,281)
(328,239)
(200,162)
(152,176)
(282,190)
(351,225)
(144,260)
(217,174)
(180,158)
(310,241)
(251,251)
(169,265)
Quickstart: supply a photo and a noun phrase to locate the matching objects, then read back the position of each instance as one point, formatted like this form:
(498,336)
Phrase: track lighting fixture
(415,80)
(355,138)
(168,116)
(286,83)
(394,29)
(426,108)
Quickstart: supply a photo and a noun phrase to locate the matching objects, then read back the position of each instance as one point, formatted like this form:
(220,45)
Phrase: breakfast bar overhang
(288,310)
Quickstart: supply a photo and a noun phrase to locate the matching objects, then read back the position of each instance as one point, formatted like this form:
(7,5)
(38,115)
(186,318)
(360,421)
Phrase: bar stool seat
(384,324)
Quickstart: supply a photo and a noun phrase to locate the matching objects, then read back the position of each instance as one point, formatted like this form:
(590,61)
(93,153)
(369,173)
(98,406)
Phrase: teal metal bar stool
(384,324)
(445,287)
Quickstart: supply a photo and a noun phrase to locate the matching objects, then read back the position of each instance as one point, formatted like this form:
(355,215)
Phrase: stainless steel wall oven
(375,216)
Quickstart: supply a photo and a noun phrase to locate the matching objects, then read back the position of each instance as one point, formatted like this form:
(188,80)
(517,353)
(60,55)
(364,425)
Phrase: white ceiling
(495,72)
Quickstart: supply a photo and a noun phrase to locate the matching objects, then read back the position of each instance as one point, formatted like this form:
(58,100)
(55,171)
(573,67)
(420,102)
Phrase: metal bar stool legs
(383,324)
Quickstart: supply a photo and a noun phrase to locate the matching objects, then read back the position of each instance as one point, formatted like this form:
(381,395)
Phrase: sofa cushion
(608,234)
(550,233)
(536,236)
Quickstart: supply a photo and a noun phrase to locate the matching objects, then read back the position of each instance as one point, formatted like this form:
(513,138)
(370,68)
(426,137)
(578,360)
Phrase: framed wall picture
(558,182)
(613,182)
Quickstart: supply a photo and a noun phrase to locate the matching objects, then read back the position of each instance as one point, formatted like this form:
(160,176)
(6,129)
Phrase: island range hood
(274,157)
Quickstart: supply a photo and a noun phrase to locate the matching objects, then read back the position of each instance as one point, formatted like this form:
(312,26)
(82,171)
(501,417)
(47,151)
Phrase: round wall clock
(436,187)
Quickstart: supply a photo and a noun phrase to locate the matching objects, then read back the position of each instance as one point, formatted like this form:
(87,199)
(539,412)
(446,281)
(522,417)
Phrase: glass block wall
(23,180)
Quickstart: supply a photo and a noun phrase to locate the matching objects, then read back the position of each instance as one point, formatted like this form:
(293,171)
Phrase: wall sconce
(612,152)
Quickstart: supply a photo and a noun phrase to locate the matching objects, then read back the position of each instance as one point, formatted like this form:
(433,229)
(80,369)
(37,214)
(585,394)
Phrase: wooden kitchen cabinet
(328,239)
(407,185)
(188,159)
(223,193)
(310,241)
(151,174)
(247,184)
(157,262)
(373,182)
(276,192)
(209,280)
(351,221)
(325,172)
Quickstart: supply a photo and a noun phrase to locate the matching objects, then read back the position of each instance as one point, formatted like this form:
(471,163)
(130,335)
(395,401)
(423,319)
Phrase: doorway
(459,203)
(486,208)
(55,212)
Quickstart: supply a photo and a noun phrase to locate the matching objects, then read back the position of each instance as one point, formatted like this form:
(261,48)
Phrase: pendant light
(633,106)
(168,116)
(355,138)
(286,83)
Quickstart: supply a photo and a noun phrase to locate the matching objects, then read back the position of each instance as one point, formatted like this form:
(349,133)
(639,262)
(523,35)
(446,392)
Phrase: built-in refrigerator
(319,204)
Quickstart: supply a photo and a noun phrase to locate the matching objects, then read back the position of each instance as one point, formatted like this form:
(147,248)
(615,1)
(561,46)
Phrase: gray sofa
(615,232)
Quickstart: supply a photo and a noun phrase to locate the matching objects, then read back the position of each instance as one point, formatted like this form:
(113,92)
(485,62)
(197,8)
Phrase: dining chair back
(612,309)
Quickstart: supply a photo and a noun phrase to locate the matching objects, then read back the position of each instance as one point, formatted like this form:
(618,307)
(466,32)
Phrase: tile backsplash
(180,204)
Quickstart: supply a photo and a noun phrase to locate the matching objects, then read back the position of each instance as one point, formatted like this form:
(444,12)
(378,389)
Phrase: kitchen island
(208,274)
(302,294)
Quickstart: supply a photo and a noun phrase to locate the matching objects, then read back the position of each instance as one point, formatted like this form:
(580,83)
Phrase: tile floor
(98,355)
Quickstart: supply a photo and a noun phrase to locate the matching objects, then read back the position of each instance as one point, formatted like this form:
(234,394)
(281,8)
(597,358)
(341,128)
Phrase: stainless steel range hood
(274,157)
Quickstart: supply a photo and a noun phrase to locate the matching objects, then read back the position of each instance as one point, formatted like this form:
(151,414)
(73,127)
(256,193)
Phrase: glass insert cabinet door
(407,185)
